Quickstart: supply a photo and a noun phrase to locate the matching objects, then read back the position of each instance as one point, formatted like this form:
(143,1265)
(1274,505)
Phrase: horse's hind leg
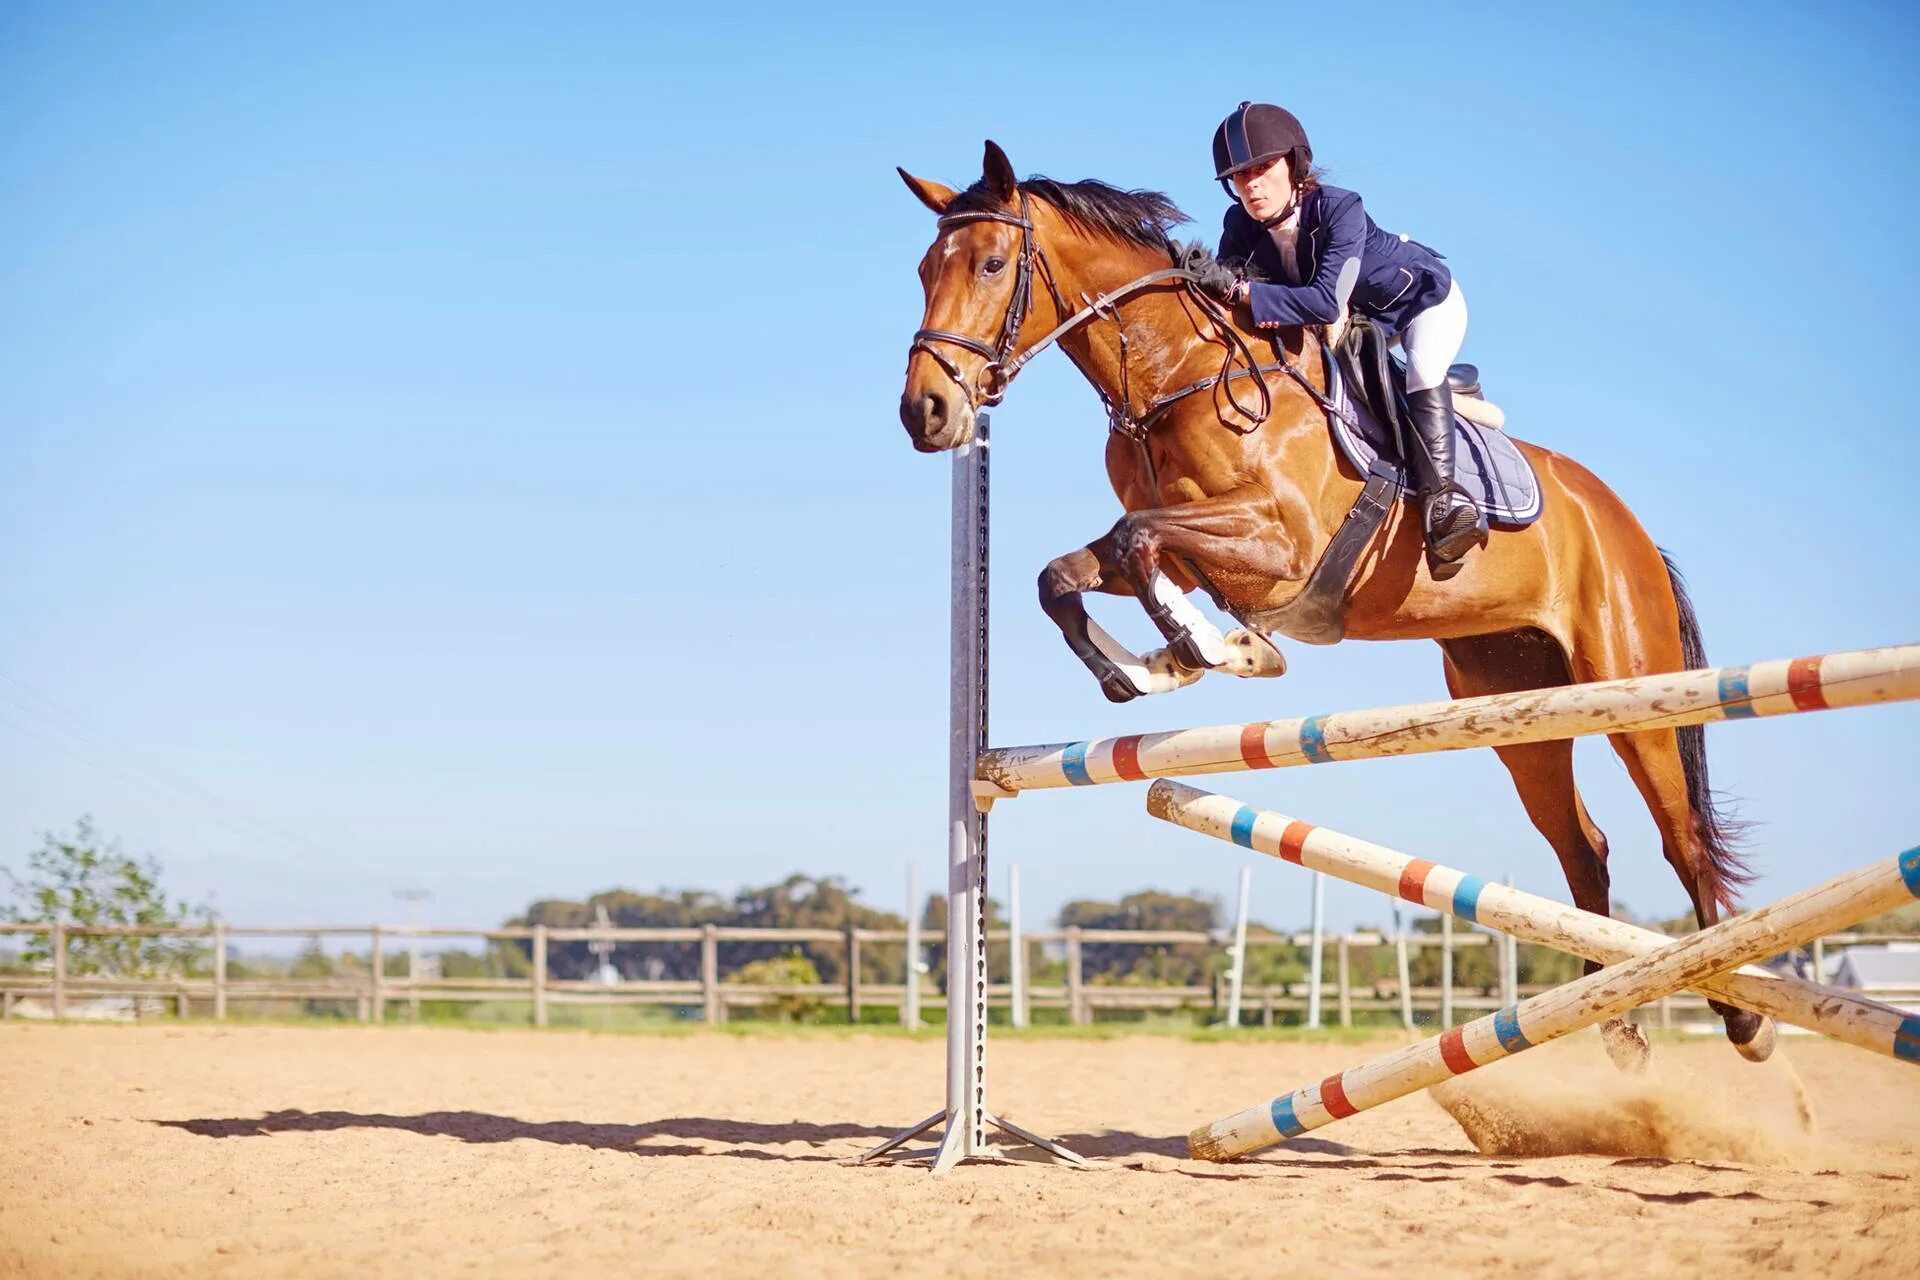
(1543,775)
(1669,768)
(1655,762)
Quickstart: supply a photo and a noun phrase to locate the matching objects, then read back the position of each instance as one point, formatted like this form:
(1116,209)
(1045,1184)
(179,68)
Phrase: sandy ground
(191,1151)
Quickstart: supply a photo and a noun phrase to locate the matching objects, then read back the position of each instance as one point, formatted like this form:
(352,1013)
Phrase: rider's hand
(1209,275)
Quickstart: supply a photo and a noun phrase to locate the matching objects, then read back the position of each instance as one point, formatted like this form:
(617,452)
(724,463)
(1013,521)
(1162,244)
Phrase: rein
(1003,364)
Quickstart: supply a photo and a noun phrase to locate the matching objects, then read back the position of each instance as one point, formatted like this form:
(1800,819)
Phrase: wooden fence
(373,992)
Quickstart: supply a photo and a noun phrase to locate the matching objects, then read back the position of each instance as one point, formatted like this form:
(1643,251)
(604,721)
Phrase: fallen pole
(1782,687)
(1868,1024)
(1581,1003)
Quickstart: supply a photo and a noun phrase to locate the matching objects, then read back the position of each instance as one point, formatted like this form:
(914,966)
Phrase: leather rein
(1003,364)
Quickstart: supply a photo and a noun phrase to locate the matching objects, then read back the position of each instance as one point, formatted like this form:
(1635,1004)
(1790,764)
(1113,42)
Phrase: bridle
(1002,364)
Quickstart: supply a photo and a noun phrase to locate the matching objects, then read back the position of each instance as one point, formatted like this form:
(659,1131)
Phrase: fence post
(910,1002)
(1076,1002)
(180,1003)
(59,969)
(710,973)
(1446,970)
(413,977)
(1016,952)
(1317,959)
(853,974)
(377,989)
(540,975)
(1343,971)
(1266,1008)
(219,972)
(1819,959)
(1400,965)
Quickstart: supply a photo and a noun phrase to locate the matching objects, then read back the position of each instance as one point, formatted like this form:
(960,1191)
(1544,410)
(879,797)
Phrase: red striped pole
(1581,1003)
(1781,687)
(1870,1025)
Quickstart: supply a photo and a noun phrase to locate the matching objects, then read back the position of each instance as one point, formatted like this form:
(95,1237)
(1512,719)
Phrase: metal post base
(949,1152)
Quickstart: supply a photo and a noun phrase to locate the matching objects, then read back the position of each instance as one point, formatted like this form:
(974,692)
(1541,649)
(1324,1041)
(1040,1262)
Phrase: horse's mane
(1142,217)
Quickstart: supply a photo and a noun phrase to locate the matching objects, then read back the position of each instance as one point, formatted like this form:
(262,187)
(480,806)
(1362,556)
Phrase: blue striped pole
(1696,961)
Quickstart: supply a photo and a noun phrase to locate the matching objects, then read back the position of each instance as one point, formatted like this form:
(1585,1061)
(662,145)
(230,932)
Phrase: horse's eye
(994,266)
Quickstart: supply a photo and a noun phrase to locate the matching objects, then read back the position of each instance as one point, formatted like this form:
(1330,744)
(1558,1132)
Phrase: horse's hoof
(1118,687)
(1626,1044)
(1755,1042)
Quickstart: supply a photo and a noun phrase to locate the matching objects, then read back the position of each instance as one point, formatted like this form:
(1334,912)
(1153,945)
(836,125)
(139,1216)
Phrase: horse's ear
(931,193)
(998,171)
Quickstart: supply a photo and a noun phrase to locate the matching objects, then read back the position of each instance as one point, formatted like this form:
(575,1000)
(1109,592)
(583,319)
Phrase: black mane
(1139,216)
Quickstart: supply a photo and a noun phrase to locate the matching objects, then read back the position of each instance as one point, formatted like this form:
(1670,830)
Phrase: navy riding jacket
(1344,260)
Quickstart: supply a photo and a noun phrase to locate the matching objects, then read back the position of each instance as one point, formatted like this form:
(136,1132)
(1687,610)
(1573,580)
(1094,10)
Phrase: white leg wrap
(1121,656)
(1206,636)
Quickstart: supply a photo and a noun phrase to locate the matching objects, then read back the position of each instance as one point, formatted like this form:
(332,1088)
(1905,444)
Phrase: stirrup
(1457,531)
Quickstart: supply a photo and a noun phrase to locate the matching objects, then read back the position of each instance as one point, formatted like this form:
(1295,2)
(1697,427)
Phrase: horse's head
(978,277)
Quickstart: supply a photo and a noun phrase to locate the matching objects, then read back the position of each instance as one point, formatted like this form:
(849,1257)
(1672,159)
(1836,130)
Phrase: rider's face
(1266,188)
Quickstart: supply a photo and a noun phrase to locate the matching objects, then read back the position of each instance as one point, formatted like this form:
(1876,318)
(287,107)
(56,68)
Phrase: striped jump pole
(1781,687)
(1581,1003)
(1839,1014)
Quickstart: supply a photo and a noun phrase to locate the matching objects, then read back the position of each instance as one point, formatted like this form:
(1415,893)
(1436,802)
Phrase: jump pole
(1782,687)
(1697,961)
(965,1114)
(1842,1015)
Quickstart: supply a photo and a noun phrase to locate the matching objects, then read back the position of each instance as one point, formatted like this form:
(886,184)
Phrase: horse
(1229,479)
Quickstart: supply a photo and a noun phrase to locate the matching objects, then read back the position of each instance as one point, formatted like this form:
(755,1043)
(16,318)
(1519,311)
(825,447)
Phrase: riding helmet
(1255,133)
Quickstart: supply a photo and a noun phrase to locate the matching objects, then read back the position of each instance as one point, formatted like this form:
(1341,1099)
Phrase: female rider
(1300,254)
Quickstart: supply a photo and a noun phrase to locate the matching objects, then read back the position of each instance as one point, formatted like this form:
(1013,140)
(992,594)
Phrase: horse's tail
(1718,833)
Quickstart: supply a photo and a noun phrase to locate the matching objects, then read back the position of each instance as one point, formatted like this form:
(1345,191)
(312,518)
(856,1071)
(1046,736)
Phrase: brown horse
(1219,494)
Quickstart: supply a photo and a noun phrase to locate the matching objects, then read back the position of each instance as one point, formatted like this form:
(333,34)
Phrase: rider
(1301,253)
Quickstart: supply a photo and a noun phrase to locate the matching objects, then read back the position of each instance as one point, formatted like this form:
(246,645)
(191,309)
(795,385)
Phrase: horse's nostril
(935,411)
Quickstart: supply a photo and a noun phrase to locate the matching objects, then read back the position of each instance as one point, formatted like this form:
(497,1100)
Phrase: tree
(83,879)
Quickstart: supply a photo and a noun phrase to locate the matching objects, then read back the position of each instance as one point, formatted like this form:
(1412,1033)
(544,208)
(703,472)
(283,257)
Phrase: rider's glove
(1210,275)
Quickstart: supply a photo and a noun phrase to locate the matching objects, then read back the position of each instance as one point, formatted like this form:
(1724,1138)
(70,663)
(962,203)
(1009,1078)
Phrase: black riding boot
(1453,521)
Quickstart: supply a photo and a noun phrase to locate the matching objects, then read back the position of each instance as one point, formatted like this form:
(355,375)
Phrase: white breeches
(1432,340)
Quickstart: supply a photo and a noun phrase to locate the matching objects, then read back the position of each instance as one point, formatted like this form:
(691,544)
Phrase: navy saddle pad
(1486,462)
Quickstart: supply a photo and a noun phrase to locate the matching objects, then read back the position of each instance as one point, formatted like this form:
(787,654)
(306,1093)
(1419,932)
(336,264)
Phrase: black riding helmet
(1255,133)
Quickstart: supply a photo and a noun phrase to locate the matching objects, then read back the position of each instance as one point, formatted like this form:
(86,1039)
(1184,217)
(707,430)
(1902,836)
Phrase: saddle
(1368,394)
(1366,410)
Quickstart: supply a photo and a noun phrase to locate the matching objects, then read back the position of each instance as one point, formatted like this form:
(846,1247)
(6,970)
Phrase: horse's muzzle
(936,419)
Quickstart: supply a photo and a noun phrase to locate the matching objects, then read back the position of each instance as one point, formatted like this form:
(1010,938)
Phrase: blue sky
(455,446)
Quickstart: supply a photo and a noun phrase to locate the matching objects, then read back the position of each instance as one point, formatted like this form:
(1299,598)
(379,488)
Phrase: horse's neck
(1160,329)
(1170,343)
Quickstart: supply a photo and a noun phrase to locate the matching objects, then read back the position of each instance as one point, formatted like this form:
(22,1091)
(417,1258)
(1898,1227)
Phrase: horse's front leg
(1235,540)
(1122,674)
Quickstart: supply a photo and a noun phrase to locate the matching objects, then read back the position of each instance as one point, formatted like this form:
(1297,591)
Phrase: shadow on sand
(746,1139)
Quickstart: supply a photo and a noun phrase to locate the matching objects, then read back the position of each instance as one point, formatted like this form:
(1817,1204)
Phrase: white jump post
(1400,965)
(1649,965)
(965,1114)
(1236,978)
